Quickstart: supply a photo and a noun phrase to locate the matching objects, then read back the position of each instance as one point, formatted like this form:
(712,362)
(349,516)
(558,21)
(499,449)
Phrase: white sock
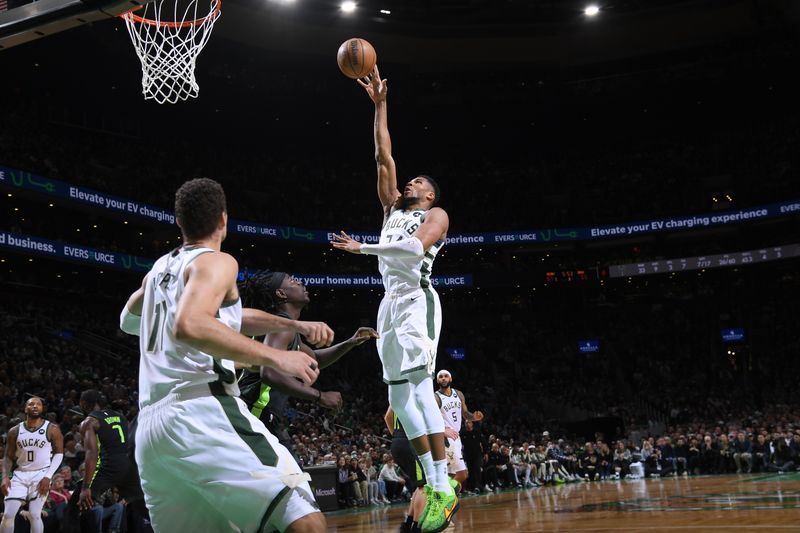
(426,460)
(441,481)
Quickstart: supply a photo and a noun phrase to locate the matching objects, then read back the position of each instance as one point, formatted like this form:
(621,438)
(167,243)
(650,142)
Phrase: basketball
(356,58)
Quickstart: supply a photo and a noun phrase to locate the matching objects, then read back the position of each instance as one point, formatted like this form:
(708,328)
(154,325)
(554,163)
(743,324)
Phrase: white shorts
(25,485)
(455,456)
(409,324)
(207,464)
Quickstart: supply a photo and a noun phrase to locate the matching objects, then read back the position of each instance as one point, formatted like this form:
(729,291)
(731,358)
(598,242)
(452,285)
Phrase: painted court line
(678,528)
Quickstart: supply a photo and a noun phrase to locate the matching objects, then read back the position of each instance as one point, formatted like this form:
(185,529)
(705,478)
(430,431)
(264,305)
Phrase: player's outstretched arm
(377,89)
(433,229)
(212,277)
(8,459)
(256,323)
(327,356)
(290,386)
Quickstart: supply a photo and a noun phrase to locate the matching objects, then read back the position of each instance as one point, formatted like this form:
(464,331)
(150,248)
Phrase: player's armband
(128,322)
(405,248)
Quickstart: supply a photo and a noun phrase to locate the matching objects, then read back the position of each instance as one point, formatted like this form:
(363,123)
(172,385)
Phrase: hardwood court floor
(758,502)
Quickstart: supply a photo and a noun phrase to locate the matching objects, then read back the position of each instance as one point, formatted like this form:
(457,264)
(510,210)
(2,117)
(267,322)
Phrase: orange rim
(185,24)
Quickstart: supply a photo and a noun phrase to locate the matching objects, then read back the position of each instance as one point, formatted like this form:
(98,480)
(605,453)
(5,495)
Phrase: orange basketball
(356,58)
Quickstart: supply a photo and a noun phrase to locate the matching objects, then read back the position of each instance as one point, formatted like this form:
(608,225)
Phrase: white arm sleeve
(54,464)
(407,248)
(128,322)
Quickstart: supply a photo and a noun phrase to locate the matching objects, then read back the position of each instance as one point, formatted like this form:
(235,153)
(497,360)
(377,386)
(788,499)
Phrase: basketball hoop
(168,36)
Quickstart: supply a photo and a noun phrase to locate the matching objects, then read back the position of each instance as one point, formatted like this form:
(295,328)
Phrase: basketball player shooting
(410,316)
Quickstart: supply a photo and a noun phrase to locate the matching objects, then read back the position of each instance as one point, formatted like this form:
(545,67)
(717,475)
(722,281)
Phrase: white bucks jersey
(451,409)
(406,273)
(168,364)
(34,450)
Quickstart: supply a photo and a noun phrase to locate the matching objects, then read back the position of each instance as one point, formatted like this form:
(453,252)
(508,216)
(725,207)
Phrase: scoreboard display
(705,261)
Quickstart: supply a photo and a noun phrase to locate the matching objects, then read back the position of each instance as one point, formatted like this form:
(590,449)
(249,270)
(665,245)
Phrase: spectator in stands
(587,462)
(694,456)
(394,483)
(605,458)
(345,484)
(491,468)
(529,457)
(783,458)
(668,453)
(709,456)
(681,456)
(742,453)
(795,444)
(760,453)
(360,485)
(622,460)
(726,451)
(520,469)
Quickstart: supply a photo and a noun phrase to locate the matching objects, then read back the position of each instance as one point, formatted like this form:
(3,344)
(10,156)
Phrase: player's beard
(33,416)
(407,202)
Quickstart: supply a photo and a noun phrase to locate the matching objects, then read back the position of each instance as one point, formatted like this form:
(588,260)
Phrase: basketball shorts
(406,459)
(207,464)
(455,456)
(119,471)
(409,323)
(25,485)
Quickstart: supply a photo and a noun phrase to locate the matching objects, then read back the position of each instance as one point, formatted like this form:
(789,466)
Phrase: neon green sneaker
(455,485)
(443,507)
(428,490)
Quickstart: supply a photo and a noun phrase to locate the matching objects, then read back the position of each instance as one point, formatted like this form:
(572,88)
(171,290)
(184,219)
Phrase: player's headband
(443,373)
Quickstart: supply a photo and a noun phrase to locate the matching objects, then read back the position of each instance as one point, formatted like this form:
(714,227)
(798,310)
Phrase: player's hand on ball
(316,333)
(44,486)
(299,365)
(345,242)
(376,87)
(331,400)
(362,335)
(477,416)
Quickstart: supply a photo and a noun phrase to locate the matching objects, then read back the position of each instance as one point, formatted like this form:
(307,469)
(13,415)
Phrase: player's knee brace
(404,404)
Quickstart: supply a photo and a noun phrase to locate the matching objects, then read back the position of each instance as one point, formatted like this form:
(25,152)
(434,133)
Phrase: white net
(168,36)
